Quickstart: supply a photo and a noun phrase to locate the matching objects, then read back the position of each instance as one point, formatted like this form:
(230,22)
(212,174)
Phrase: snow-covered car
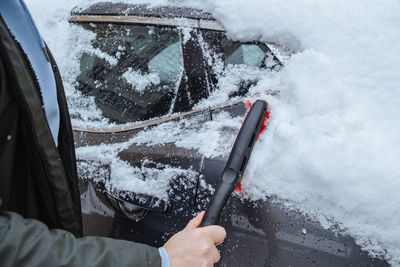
(154,156)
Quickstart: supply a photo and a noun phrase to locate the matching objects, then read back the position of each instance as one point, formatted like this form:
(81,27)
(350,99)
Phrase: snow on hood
(333,142)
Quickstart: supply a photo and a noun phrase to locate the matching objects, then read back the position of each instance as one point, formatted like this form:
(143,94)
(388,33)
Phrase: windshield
(131,71)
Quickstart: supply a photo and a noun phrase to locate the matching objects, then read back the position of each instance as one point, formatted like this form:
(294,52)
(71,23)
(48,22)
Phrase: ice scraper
(237,161)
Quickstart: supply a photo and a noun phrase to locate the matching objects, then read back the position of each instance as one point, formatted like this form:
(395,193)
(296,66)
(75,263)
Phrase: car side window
(131,71)
(237,62)
(249,54)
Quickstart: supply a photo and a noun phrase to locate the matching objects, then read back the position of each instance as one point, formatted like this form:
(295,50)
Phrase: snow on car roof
(143,14)
(121,9)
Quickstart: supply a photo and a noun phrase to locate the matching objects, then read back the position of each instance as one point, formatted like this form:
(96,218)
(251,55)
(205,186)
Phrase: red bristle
(239,187)
(263,126)
(262,129)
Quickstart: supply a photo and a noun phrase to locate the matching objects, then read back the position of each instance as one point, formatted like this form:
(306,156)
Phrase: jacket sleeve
(28,242)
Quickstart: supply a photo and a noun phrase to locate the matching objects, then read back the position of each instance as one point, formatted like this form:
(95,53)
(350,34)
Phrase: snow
(332,144)
(213,138)
(140,80)
(304,231)
(110,59)
(229,82)
(141,180)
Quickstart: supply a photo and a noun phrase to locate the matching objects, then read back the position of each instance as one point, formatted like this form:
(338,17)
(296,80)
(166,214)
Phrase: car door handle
(136,206)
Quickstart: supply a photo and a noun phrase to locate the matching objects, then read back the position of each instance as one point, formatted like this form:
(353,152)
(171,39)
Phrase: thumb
(195,222)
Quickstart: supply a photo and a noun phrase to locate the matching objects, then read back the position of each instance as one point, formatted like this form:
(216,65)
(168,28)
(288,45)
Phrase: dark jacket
(38,180)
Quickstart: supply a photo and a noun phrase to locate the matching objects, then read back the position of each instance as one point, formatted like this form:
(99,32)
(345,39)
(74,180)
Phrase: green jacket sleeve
(27,242)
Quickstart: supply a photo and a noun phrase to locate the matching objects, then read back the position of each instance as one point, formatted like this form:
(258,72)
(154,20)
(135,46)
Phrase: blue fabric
(164,257)
(20,23)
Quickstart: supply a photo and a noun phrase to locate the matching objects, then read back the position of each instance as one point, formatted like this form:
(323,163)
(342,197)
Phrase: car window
(254,54)
(131,71)
(234,65)
(248,54)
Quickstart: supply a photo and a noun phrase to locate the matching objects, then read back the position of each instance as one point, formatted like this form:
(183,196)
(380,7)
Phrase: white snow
(123,177)
(304,231)
(213,138)
(332,144)
(110,59)
(140,81)
(229,82)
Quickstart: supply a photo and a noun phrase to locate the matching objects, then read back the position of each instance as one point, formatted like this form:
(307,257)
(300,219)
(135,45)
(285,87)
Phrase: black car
(152,74)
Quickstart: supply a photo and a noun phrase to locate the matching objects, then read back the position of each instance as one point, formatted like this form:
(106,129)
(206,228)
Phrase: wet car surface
(133,42)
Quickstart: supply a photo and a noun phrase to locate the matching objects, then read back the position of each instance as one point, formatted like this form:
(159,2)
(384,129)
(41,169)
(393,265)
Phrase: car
(163,131)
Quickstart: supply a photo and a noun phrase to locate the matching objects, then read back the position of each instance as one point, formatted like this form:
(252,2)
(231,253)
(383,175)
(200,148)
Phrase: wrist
(164,257)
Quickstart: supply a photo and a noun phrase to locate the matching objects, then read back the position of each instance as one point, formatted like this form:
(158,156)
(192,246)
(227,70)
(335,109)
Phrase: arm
(27,242)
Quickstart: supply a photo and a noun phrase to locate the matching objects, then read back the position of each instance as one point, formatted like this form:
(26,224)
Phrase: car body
(170,60)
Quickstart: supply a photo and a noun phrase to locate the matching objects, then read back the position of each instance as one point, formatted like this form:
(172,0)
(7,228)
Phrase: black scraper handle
(237,162)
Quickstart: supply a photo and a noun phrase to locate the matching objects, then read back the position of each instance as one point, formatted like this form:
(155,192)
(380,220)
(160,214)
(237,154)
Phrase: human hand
(195,246)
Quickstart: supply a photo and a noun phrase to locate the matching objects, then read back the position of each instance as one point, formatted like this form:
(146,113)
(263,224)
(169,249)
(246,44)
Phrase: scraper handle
(237,162)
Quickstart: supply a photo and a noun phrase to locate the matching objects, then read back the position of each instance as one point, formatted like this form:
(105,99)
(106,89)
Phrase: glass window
(249,54)
(254,55)
(233,66)
(131,71)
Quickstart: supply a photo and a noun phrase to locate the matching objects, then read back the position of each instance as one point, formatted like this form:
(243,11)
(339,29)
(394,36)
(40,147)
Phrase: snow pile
(332,144)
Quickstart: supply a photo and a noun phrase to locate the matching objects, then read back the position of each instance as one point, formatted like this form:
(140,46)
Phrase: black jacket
(38,180)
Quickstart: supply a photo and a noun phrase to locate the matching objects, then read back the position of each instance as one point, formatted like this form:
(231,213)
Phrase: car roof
(122,9)
(174,16)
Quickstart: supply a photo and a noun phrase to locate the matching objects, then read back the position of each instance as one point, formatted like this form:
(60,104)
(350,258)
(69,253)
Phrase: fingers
(195,222)
(209,253)
(215,254)
(215,232)
(195,246)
